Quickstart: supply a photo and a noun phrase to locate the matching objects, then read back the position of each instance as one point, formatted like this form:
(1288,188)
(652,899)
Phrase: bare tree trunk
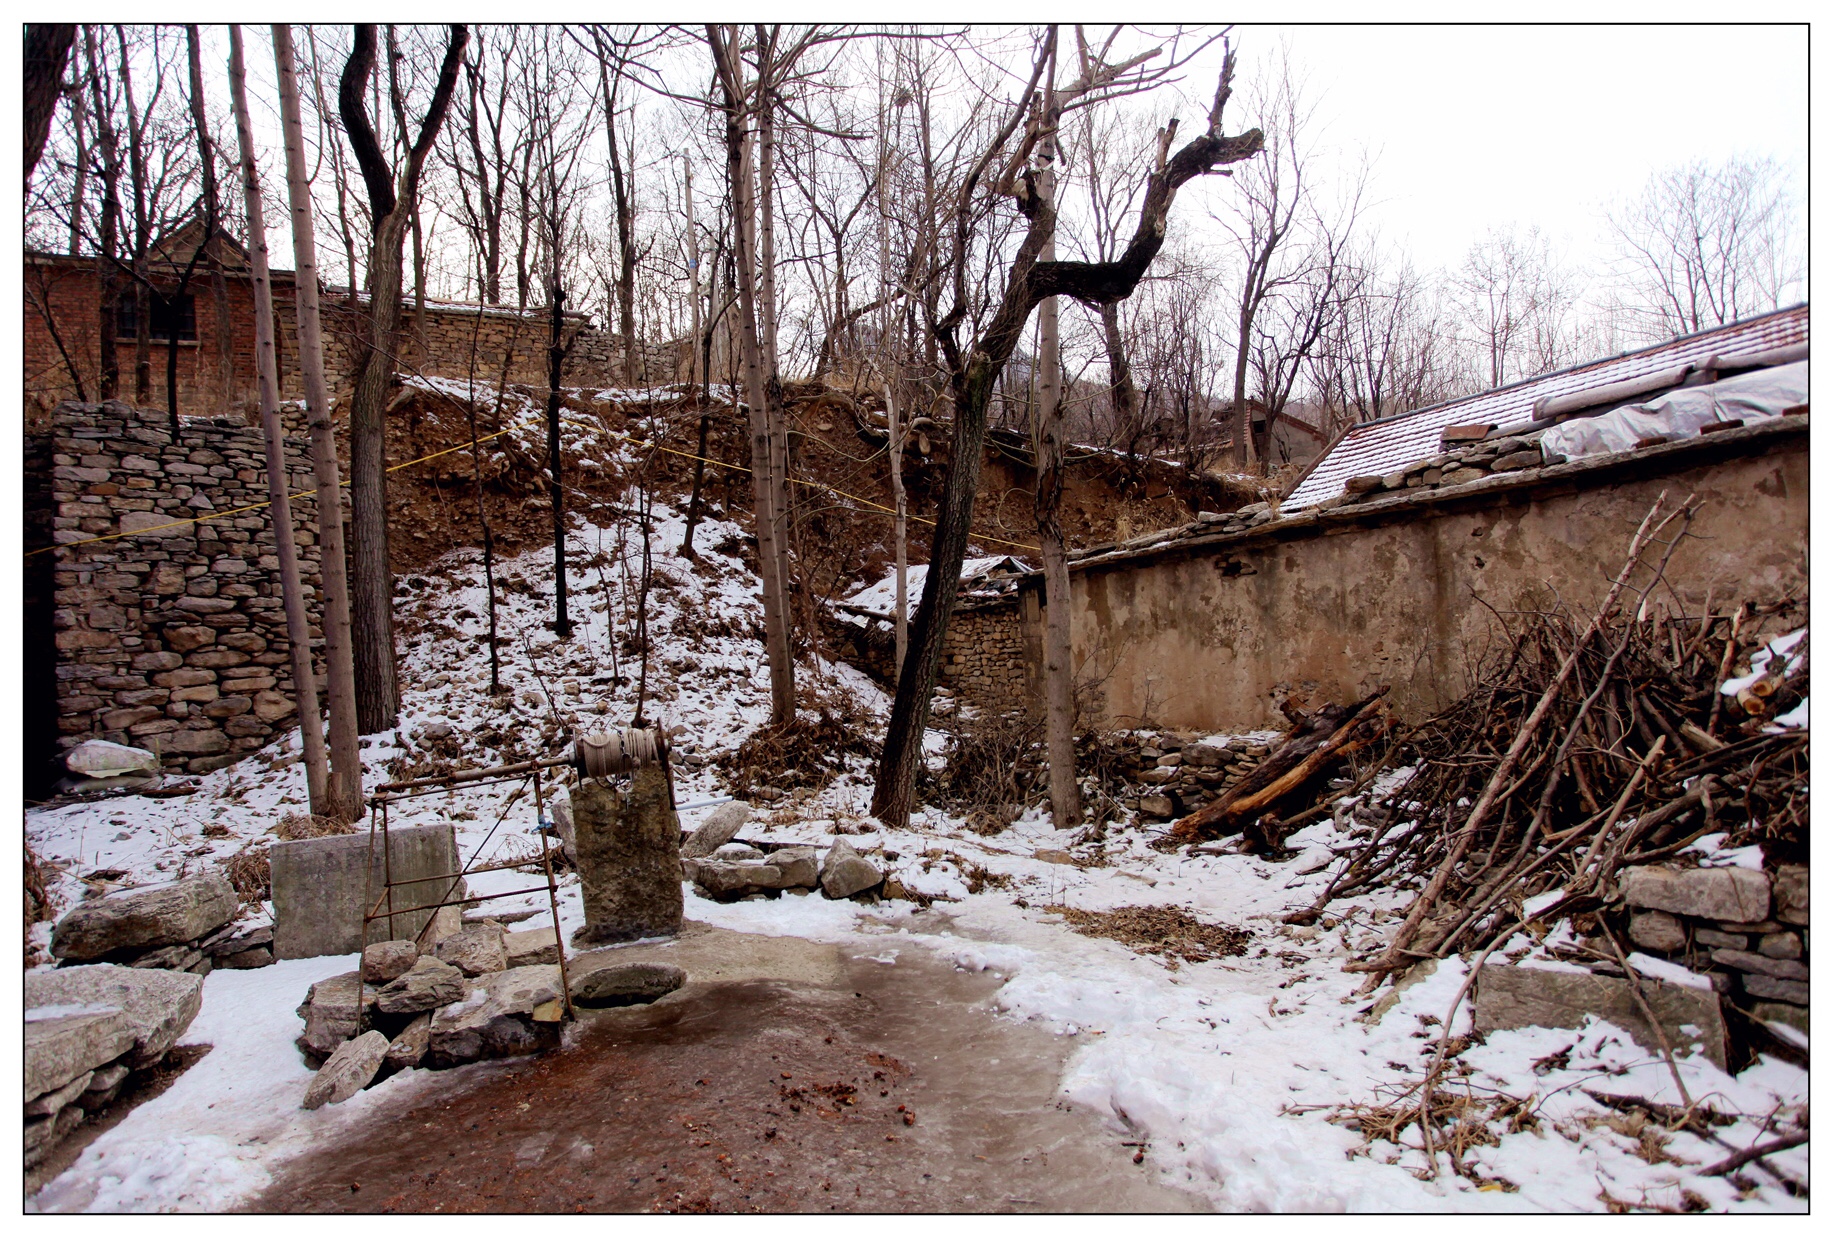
(693,300)
(556,358)
(344,797)
(625,210)
(213,216)
(900,615)
(47,49)
(1121,391)
(137,177)
(1047,451)
(777,647)
(298,630)
(107,255)
(783,506)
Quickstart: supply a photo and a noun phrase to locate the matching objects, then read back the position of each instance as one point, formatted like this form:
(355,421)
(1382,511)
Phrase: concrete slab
(322,887)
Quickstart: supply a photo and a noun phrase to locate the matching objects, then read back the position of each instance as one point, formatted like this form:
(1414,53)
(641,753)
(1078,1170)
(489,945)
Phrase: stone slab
(133,921)
(1510,997)
(158,1005)
(323,886)
(1740,894)
(60,1049)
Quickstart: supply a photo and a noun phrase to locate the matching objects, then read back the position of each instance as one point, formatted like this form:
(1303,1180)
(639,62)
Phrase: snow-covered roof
(881,599)
(1381,447)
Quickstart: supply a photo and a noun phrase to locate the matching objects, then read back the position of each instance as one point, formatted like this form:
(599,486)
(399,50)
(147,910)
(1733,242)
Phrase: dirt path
(789,1077)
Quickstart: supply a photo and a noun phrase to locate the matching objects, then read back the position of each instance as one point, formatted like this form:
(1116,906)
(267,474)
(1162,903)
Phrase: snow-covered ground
(1229,1069)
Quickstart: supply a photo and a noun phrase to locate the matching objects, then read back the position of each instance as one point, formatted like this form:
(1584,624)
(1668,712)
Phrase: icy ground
(1228,1070)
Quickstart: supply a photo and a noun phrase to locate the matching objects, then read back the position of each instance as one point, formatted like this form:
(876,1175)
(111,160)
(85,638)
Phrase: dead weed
(1164,930)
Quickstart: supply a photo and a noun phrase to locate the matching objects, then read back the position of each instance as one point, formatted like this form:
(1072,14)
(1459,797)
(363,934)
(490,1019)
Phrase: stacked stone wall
(173,639)
(984,658)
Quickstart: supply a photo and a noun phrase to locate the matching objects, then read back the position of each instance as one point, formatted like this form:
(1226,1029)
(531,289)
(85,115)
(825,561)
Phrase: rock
(1780,945)
(1792,893)
(228,941)
(331,1013)
(800,866)
(1390,999)
(1510,996)
(737,852)
(138,920)
(104,1086)
(46,1106)
(42,1135)
(62,1047)
(1157,807)
(629,859)
(475,949)
(1723,941)
(1781,1012)
(626,984)
(97,758)
(1795,991)
(497,1018)
(347,1071)
(170,958)
(158,1005)
(429,984)
(1657,930)
(1517,460)
(717,830)
(323,886)
(1208,756)
(844,872)
(1709,893)
(1364,484)
(563,826)
(1457,477)
(1743,960)
(406,1050)
(260,956)
(726,882)
(531,947)
(385,961)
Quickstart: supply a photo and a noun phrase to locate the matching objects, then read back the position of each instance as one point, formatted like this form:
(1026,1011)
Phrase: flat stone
(1510,997)
(1795,991)
(1792,893)
(1517,460)
(347,1071)
(331,1013)
(733,853)
(47,1105)
(1709,893)
(1780,945)
(60,1049)
(625,984)
(531,947)
(97,758)
(1713,938)
(1782,1012)
(406,1050)
(170,958)
(427,985)
(716,880)
(1157,807)
(139,920)
(717,830)
(322,888)
(42,1135)
(1657,930)
(384,961)
(1743,960)
(243,960)
(1457,477)
(475,949)
(844,872)
(1207,756)
(158,1005)
(496,1019)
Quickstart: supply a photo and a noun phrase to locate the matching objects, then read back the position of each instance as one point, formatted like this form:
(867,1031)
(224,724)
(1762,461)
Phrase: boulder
(1657,930)
(727,882)
(497,1018)
(738,853)
(384,961)
(142,919)
(1740,894)
(717,830)
(801,867)
(62,1047)
(97,758)
(531,947)
(844,872)
(347,1071)
(158,1005)
(1509,996)
(626,984)
(332,1014)
(475,949)
(406,1050)
(429,984)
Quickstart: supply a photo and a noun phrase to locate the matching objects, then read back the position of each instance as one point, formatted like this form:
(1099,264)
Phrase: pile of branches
(1587,746)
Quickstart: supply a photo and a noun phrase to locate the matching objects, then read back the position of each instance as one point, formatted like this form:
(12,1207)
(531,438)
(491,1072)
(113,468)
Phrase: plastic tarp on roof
(1681,413)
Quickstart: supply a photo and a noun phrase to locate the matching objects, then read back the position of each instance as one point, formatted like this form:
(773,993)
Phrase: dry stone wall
(984,658)
(173,640)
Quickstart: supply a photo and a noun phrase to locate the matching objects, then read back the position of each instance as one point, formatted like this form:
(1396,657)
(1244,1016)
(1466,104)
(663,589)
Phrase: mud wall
(1204,638)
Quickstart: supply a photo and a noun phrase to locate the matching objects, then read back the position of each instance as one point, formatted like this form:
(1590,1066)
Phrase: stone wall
(1203,633)
(175,639)
(986,658)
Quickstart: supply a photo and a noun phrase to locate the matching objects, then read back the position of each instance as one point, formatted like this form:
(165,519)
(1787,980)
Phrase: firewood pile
(1589,745)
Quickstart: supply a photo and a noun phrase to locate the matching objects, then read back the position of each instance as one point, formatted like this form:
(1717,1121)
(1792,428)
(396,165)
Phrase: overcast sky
(1473,126)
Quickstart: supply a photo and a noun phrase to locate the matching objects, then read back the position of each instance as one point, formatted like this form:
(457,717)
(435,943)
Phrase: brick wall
(173,640)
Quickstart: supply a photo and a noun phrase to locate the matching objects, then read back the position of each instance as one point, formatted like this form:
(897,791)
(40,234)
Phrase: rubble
(475,949)
(386,961)
(845,873)
(427,985)
(496,1018)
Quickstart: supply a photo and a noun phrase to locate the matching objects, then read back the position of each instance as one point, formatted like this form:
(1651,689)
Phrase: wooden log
(1304,753)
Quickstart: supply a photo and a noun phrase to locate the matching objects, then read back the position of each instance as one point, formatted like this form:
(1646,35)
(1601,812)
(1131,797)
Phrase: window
(169,314)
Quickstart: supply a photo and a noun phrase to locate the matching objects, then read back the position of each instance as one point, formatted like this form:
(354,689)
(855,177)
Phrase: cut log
(1302,756)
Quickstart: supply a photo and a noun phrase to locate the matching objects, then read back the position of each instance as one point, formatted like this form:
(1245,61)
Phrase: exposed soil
(850,1085)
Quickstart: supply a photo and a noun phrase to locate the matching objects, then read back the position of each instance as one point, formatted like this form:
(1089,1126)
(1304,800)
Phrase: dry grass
(1165,930)
(809,751)
(249,872)
(297,825)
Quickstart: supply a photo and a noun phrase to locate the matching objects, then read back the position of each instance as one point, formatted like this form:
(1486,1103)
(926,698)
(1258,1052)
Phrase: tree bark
(344,794)
(391,205)
(213,215)
(624,211)
(556,359)
(298,630)
(47,50)
(108,260)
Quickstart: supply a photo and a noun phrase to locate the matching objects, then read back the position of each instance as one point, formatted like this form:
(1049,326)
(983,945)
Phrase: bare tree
(1514,305)
(392,205)
(1705,245)
(344,794)
(47,50)
(280,509)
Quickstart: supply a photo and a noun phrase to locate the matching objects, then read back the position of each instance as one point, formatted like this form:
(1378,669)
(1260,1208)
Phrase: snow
(1759,662)
(1672,973)
(1228,1070)
(881,598)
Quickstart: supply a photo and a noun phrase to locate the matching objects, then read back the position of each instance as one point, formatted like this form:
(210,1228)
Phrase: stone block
(384,961)
(1780,945)
(1777,988)
(347,1071)
(1743,960)
(800,866)
(427,985)
(1792,893)
(723,881)
(844,872)
(1511,997)
(497,1018)
(60,1048)
(1782,1012)
(186,637)
(629,856)
(531,947)
(1657,930)
(717,830)
(407,1049)
(46,1106)
(622,984)
(158,1005)
(331,1012)
(475,949)
(189,743)
(270,706)
(1714,939)
(1709,893)
(323,886)
(134,921)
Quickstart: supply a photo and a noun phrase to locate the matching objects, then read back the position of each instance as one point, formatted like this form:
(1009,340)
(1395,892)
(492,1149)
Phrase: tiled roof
(1380,447)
